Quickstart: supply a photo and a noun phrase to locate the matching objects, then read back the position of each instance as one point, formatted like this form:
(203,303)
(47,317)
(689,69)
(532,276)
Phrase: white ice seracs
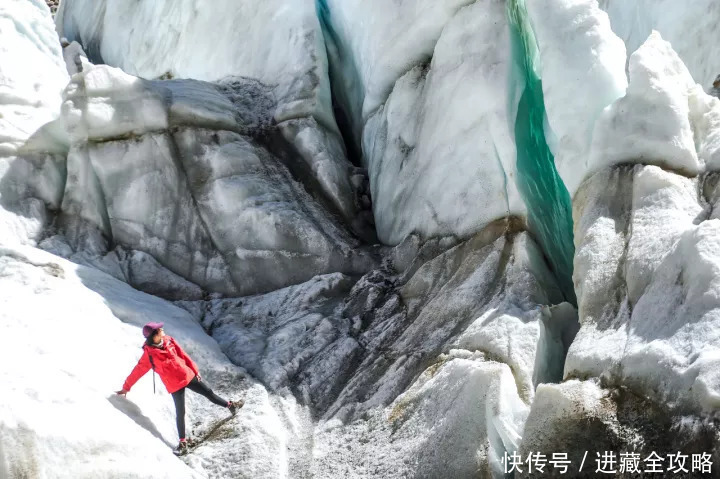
(457,419)
(647,241)
(691,28)
(653,123)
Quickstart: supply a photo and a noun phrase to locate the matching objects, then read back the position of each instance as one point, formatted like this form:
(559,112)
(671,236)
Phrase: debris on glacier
(359,354)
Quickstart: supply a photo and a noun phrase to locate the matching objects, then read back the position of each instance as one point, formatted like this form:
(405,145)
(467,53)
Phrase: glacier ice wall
(180,169)
(185,40)
(441,357)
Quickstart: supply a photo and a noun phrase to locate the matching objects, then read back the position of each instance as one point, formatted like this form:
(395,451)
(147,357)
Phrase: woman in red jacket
(177,371)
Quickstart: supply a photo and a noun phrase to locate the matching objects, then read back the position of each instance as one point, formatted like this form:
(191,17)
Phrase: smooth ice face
(542,189)
(272,41)
(691,28)
(371,44)
(32,77)
(582,67)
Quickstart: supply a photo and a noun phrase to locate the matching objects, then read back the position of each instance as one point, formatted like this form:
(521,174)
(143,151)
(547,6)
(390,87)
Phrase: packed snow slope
(214,174)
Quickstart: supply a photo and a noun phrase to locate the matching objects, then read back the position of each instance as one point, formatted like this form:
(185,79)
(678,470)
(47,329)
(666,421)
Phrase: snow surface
(60,417)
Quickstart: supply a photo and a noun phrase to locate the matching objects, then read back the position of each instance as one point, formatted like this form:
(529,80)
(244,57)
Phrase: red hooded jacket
(174,367)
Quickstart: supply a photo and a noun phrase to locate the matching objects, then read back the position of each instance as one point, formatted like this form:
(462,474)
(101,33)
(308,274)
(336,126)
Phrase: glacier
(415,237)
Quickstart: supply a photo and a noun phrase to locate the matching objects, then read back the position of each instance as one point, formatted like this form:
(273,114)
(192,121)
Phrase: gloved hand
(121,392)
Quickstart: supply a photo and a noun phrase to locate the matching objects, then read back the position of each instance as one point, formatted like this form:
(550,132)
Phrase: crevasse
(547,199)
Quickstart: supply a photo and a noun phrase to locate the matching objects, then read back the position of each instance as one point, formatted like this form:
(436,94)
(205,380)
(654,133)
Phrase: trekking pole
(152,364)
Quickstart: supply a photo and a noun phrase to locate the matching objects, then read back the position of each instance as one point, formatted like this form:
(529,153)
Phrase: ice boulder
(32,147)
(194,174)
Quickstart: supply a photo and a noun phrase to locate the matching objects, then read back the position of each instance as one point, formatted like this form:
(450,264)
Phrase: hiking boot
(235,405)
(181,449)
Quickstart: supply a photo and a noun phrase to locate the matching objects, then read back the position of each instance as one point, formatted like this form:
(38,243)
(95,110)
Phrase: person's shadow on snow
(131,410)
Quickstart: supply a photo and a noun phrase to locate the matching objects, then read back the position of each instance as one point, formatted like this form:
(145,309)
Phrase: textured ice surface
(646,274)
(691,28)
(381,358)
(32,76)
(481,413)
(177,169)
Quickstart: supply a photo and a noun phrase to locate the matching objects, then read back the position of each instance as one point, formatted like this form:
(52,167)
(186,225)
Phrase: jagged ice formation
(242,159)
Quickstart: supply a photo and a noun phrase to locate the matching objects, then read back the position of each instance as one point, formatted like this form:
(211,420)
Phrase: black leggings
(179,398)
